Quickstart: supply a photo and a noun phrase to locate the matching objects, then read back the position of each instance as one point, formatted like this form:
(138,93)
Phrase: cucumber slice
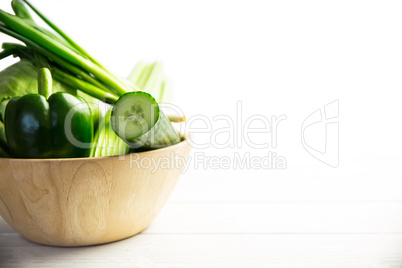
(138,121)
(134,114)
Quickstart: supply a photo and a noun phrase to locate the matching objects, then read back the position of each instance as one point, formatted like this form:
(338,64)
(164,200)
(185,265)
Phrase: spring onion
(71,65)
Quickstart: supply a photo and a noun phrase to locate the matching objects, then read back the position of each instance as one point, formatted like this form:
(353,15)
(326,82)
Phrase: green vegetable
(21,11)
(84,86)
(137,119)
(20,79)
(35,126)
(94,106)
(149,79)
(25,29)
(3,142)
(3,106)
(60,32)
(3,139)
(75,68)
(3,152)
(107,143)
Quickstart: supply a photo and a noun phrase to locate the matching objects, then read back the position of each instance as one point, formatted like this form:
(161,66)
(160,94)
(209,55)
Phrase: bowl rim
(183,141)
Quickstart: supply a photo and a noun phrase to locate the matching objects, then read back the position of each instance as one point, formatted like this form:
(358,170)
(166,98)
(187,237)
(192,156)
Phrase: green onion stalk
(71,65)
(63,53)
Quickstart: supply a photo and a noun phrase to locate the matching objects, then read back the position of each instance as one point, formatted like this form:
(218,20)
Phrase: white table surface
(256,223)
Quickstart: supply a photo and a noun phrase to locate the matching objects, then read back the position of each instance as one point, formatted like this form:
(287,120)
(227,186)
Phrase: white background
(278,58)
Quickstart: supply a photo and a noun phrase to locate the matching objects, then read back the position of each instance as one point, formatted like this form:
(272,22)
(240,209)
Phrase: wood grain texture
(76,202)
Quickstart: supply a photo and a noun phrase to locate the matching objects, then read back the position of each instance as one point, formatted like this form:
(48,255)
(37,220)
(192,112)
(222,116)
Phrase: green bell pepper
(39,126)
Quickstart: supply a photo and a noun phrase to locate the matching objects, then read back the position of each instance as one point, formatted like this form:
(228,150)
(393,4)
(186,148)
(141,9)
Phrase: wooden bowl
(88,201)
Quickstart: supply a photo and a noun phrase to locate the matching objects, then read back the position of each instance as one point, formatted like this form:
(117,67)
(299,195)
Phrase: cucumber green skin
(161,134)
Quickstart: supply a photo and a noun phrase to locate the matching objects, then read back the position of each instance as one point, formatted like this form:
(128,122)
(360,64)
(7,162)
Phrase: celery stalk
(107,143)
(136,73)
